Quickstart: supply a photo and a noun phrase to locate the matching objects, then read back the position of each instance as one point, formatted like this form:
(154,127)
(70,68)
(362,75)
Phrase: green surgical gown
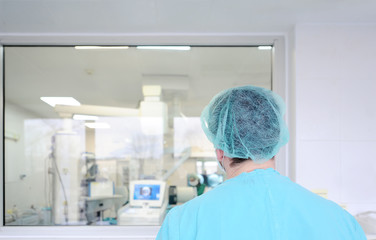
(259,205)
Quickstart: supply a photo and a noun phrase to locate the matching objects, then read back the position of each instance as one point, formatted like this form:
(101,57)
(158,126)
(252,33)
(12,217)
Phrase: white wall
(336,112)
(16,164)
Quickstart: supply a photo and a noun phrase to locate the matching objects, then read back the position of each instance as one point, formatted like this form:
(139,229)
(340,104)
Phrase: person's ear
(219,154)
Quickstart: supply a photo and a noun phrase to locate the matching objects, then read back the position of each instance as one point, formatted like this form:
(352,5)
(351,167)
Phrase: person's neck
(247,166)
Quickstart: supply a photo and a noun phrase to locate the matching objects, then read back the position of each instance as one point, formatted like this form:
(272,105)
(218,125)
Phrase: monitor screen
(146,192)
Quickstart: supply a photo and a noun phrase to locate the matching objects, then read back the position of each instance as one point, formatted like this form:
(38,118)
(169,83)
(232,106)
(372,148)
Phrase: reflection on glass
(132,149)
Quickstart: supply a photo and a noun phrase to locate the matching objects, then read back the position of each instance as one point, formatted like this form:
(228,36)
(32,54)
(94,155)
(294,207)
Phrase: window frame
(279,85)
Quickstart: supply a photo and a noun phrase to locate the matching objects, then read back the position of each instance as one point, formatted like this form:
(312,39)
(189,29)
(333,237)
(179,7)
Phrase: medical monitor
(147,193)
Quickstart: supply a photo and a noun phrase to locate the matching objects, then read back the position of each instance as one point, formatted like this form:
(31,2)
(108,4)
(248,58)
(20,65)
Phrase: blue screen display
(146,192)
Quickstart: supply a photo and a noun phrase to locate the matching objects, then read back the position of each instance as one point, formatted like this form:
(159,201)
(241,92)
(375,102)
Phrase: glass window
(111,135)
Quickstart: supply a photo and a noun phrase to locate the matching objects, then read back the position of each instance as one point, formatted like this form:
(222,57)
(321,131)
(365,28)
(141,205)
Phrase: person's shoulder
(320,209)
(208,198)
(182,218)
(178,211)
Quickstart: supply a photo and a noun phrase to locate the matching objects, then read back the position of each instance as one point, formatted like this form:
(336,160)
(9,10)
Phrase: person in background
(246,126)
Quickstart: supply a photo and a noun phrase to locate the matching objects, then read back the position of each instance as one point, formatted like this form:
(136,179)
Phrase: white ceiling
(184,16)
(115,77)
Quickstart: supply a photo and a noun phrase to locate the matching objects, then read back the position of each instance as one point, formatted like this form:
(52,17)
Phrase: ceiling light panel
(97,125)
(67,101)
(85,117)
(265,47)
(100,47)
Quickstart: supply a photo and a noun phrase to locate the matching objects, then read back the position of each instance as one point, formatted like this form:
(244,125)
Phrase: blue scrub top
(261,205)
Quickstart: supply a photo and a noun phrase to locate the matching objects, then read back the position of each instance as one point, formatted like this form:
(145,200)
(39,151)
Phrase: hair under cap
(246,122)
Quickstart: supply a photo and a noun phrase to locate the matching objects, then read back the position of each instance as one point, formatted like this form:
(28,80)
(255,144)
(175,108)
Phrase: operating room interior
(129,115)
(128,146)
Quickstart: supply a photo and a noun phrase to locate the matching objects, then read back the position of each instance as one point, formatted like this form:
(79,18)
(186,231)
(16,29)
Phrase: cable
(62,185)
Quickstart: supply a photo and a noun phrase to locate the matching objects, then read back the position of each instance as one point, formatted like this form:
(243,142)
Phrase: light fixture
(85,117)
(265,47)
(100,47)
(151,90)
(67,101)
(178,48)
(97,125)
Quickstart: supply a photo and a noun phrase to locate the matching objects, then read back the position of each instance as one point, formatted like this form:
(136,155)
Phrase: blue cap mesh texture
(246,122)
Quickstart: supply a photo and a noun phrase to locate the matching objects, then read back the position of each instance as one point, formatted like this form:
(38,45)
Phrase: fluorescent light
(265,47)
(179,48)
(84,117)
(97,125)
(68,101)
(100,47)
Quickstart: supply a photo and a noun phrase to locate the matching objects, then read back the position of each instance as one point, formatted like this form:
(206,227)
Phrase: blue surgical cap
(246,122)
